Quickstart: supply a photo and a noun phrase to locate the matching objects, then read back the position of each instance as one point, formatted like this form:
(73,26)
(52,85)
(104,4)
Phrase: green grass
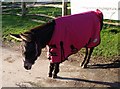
(109,42)
(17,24)
(51,11)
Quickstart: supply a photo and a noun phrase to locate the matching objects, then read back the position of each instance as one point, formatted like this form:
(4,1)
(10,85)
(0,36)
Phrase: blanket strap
(62,50)
(52,53)
(73,49)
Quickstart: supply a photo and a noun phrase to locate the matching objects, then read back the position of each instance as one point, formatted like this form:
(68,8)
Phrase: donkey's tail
(100,15)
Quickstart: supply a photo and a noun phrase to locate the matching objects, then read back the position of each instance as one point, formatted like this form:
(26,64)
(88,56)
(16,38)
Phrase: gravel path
(71,75)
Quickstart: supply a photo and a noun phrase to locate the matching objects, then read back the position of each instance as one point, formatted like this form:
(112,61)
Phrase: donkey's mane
(43,33)
(41,27)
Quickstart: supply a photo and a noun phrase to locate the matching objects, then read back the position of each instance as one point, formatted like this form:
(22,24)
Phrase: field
(17,24)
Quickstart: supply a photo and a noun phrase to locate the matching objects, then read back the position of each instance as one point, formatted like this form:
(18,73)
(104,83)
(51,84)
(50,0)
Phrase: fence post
(23,8)
(12,7)
(64,7)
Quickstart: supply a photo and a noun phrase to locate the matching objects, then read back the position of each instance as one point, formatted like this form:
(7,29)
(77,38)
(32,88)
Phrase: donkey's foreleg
(88,59)
(51,68)
(56,70)
(86,54)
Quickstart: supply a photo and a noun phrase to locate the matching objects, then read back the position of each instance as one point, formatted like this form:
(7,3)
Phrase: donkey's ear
(21,37)
(26,37)
(16,36)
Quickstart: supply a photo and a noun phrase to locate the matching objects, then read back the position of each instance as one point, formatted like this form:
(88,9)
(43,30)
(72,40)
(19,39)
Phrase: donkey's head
(30,48)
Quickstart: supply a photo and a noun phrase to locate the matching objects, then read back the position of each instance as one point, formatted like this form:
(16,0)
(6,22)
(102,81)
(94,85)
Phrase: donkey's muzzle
(27,66)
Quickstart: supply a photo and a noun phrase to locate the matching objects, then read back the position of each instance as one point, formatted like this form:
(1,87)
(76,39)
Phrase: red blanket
(73,33)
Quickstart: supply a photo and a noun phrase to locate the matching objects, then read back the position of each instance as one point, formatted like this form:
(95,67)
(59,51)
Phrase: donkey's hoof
(50,75)
(81,65)
(54,76)
(84,66)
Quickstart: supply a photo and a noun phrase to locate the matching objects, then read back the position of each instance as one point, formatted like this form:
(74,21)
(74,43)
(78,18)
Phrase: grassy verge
(109,42)
(16,24)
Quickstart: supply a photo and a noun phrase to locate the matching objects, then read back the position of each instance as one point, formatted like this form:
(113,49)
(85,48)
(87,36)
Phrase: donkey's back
(79,30)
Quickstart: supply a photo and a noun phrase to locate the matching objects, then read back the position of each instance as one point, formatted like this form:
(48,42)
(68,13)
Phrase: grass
(17,24)
(109,42)
(51,11)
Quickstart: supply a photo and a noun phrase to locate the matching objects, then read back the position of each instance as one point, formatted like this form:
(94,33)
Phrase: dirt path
(71,75)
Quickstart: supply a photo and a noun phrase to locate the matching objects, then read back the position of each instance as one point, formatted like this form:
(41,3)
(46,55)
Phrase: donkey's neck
(43,34)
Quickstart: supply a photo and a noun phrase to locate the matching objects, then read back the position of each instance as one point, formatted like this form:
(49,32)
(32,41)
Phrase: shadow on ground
(114,84)
(114,64)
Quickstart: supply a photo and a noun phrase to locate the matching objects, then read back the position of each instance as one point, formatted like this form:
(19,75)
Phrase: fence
(18,5)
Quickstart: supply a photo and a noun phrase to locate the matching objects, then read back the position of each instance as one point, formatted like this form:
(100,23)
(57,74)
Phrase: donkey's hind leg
(86,54)
(88,59)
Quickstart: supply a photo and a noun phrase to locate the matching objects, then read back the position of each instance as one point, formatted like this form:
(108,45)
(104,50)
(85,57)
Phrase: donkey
(63,37)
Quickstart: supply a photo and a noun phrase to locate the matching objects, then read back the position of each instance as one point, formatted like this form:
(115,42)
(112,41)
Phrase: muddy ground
(100,73)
